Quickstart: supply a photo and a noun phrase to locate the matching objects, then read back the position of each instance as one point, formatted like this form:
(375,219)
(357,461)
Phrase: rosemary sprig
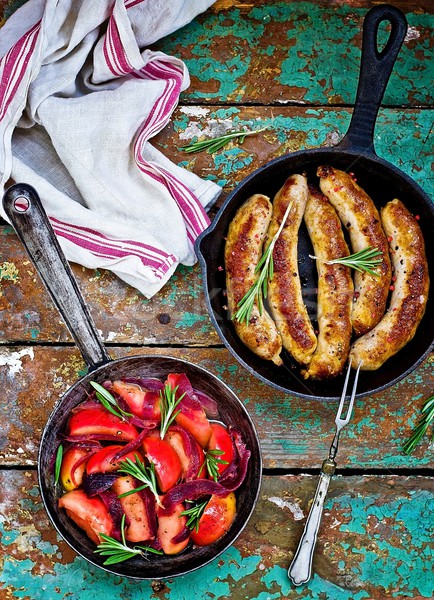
(259,290)
(364,260)
(168,404)
(119,551)
(212,461)
(144,474)
(58,463)
(194,514)
(109,401)
(419,431)
(214,144)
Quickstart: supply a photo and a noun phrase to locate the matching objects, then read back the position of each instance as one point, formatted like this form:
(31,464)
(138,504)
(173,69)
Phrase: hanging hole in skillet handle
(24,209)
(375,69)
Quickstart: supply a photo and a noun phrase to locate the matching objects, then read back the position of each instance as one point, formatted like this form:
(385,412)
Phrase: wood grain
(359,554)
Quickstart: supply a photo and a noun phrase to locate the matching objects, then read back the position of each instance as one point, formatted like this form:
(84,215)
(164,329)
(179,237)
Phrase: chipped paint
(294,507)
(13,360)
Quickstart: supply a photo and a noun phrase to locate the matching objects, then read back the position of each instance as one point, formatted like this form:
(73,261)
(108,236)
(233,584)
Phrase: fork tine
(353,395)
(344,393)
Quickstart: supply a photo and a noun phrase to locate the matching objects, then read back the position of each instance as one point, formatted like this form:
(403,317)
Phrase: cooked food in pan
(409,290)
(362,221)
(243,250)
(284,291)
(335,288)
(370,319)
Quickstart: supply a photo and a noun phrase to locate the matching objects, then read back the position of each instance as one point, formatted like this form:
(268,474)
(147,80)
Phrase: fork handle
(301,567)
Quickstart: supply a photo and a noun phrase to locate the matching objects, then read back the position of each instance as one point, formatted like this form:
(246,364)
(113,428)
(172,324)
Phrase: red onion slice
(95,483)
(209,405)
(193,490)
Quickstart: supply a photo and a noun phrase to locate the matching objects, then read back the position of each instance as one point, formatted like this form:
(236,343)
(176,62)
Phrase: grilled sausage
(243,250)
(335,288)
(284,295)
(410,293)
(360,216)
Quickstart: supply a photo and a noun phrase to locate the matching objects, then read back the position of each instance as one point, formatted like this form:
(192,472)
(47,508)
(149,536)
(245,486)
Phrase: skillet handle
(375,70)
(23,207)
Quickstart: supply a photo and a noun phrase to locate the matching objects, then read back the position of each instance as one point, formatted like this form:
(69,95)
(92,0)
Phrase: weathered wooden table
(291,66)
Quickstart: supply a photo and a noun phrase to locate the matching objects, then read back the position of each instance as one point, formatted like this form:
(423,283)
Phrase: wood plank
(178,315)
(279,53)
(294,433)
(374,542)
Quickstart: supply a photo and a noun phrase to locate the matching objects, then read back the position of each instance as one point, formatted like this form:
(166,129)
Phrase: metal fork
(300,569)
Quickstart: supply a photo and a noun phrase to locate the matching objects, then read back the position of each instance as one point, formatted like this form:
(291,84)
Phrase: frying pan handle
(375,71)
(23,207)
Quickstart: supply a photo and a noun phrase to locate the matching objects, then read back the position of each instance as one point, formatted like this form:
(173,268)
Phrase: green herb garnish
(58,463)
(168,403)
(364,260)
(421,427)
(212,461)
(259,290)
(214,144)
(144,474)
(109,401)
(119,551)
(194,514)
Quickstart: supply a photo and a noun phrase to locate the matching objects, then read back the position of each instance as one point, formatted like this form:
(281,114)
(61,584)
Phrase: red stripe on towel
(13,67)
(104,247)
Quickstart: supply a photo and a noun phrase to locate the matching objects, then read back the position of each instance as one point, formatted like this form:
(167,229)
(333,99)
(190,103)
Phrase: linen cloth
(80,96)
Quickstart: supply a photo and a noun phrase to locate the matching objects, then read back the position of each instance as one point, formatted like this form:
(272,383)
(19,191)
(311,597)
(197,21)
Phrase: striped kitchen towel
(81,94)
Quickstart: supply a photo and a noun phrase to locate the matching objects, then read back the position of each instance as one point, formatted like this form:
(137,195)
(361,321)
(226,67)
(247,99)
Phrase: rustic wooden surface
(263,63)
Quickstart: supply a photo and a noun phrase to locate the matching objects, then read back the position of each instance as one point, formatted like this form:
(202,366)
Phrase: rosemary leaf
(364,260)
(109,401)
(194,514)
(214,144)
(168,404)
(58,463)
(117,551)
(212,461)
(426,418)
(144,474)
(259,290)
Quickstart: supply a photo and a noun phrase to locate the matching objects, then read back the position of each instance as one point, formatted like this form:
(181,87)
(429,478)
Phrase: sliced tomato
(215,520)
(88,513)
(139,528)
(196,422)
(98,422)
(102,461)
(143,403)
(73,466)
(191,415)
(170,524)
(175,439)
(221,440)
(167,463)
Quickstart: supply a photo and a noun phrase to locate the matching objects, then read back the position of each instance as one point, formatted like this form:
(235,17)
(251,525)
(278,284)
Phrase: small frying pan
(381,180)
(23,207)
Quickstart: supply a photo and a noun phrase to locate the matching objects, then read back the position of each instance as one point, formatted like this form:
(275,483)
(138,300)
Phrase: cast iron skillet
(23,207)
(383,181)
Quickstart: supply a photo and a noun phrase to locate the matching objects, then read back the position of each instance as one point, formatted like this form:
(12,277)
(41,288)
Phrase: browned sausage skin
(284,294)
(243,250)
(410,293)
(362,220)
(335,288)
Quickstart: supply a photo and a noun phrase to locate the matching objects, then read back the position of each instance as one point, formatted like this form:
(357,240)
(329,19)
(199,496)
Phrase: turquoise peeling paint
(311,31)
(315,128)
(82,581)
(411,519)
(188,319)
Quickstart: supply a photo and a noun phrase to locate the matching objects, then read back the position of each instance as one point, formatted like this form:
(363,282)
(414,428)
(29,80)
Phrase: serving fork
(300,569)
